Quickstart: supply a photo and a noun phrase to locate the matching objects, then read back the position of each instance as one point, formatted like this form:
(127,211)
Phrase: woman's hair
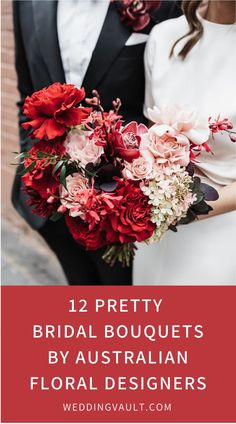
(195,32)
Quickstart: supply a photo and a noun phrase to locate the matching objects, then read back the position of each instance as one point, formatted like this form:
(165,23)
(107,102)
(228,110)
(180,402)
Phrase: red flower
(126,141)
(40,206)
(91,239)
(131,222)
(220,125)
(121,218)
(103,204)
(53,109)
(136,13)
(100,125)
(41,177)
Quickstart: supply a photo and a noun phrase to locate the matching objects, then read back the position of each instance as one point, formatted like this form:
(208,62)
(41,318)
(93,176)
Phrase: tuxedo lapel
(45,19)
(112,39)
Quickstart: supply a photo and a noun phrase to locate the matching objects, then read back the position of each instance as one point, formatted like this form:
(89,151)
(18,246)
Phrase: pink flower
(176,120)
(81,147)
(126,140)
(220,124)
(73,196)
(169,151)
(139,169)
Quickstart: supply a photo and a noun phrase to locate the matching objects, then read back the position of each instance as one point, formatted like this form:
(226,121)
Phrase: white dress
(204,252)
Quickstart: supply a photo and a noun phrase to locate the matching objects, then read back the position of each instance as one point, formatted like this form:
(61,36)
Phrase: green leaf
(200,197)
(173,228)
(58,165)
(196,183)
(41,155)
(63,176)
(56,216)
(202,208)
(29,168)
(191,216)
(20,155)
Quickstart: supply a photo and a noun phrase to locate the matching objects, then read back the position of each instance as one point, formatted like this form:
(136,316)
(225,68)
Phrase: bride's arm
(225,203)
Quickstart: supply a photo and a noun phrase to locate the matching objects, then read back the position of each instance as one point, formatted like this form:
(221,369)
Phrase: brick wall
(9,114)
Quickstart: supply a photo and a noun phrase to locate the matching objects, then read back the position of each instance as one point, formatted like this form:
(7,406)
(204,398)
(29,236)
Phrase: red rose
(120,221)
(132,221)
(41,177)
(126,141)
(53,109)
(90,239)
(136,13)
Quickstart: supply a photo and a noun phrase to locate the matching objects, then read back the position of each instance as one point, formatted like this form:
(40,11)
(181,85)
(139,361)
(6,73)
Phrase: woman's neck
(220,12)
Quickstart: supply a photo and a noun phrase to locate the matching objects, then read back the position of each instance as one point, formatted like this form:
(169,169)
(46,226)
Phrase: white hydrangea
(170,196)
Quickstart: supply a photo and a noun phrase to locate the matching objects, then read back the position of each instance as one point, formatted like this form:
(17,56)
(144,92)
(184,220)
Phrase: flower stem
(123,253)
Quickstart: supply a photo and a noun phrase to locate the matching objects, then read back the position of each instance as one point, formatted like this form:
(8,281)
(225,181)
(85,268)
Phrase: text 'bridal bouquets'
(115,184)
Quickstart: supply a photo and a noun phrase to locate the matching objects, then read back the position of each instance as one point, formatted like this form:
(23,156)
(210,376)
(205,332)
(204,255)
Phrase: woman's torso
(205,80)
(202,252)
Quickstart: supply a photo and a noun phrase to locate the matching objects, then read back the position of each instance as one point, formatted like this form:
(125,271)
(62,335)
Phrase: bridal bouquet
(115,184)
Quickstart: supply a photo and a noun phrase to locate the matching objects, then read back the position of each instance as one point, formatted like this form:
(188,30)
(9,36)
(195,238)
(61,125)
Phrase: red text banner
(118,354)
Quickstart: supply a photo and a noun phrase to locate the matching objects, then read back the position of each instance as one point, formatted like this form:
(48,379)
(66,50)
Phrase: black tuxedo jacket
(115,70)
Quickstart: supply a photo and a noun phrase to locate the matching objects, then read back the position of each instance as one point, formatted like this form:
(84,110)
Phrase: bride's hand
(225,203)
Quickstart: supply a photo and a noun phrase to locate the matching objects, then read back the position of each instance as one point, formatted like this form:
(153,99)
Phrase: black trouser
(82,267)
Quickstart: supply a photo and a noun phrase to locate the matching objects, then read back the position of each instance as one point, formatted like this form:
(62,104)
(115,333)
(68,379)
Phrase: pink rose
(168,150)
(72,196)
(139,169)
(80,147)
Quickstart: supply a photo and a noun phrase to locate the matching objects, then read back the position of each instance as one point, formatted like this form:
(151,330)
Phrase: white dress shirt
(79,24)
